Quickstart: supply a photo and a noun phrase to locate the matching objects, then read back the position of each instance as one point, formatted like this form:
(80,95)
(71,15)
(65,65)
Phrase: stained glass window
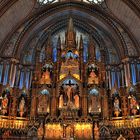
(21,80)
(1,69)
(6,75)
(133,72)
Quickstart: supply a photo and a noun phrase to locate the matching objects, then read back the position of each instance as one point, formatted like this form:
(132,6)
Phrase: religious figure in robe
(4,104)
(61,101)
(134,106)
(96,132)
(93,78)
(76,101)
(117,109)
(45,79)
(21,107)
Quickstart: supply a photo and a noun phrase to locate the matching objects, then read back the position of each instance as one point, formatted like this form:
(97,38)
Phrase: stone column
(122,77)
(3,73)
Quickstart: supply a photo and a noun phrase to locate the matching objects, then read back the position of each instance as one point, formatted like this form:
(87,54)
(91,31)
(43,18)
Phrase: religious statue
(45,79)
(93,78)
(96,132)
(4,104)
(61,101)
(69,93)
(133,105)
(76,101)
(117,109)
(21,106)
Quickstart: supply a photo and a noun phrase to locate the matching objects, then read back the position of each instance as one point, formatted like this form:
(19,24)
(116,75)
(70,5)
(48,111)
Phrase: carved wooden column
(124,96)
(84,103)
(109,78)
(14,102)
(122,76)
(110,106)
(53,103)
(105,105)
(28,105)
(55,92)
(127,71)
(33,103)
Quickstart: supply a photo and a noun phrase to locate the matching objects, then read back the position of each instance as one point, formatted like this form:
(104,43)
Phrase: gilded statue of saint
(76,101)
(4,104)
(61,101)
(45,79)
(134,106)
(96,132)
(117,109)
(21,106)
(93,78)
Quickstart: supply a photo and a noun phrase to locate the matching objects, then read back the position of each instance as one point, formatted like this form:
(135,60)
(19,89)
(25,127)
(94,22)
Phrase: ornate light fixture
(42,2)
(94,1)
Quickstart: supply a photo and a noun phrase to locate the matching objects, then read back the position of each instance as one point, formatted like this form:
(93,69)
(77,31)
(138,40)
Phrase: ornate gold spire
(91,50)
(70,35)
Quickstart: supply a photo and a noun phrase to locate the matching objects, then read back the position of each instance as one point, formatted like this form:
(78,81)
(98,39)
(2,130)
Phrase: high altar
(69,98)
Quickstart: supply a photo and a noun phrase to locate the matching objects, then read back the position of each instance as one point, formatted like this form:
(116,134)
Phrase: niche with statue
(46,74)
(93,74)
(133,104)
(43,102)
(116,103)
(94,101)
(22,105)
(5,101)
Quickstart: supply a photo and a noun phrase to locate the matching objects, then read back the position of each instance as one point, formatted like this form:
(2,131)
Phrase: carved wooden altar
(70,98)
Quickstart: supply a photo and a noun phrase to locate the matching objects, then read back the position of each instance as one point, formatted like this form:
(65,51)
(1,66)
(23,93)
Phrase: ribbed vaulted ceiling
(115,25)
